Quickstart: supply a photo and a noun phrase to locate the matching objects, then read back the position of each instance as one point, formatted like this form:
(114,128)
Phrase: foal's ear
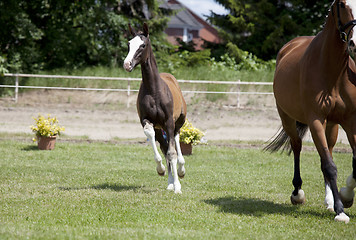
(145,29)
(132,30)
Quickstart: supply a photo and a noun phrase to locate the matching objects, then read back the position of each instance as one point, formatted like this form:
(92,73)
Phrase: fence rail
(128,90)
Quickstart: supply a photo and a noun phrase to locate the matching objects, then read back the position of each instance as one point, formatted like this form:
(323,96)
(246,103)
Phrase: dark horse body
(315,87)
(160,106)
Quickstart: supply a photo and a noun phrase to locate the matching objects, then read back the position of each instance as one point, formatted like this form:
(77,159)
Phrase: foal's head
(137,48)
(346,20)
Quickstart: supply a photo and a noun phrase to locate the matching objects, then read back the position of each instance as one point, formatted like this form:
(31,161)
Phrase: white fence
(128,90)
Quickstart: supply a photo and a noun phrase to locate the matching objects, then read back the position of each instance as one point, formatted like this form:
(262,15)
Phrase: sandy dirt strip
(105,116)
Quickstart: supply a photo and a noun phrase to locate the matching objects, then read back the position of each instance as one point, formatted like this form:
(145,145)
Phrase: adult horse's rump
(315,87)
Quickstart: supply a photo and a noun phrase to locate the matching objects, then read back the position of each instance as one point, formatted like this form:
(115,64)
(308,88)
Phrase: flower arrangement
(190,134)
(46,126)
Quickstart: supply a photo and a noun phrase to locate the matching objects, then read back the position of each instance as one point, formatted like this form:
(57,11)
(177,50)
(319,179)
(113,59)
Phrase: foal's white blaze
(135,44)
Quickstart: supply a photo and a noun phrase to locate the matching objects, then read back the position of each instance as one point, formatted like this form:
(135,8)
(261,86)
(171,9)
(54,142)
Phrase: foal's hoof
(299,198)
(342,217)
(181,172)
(160,171)
(177,189)
(170,187)
(347,197)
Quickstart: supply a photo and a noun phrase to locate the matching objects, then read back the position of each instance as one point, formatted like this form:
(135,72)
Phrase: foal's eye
(143,45)
(342,5)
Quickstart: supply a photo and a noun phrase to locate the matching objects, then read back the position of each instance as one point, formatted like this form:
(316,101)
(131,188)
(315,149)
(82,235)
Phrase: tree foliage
(37,34)
(262,27)
(46,34)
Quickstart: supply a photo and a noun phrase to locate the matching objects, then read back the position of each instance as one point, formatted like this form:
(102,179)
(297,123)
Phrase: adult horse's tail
(282,140)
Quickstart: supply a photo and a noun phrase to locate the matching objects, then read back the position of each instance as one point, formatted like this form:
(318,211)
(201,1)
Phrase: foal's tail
(282,140)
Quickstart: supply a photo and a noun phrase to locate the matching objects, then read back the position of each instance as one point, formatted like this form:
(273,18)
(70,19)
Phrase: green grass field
(100,190)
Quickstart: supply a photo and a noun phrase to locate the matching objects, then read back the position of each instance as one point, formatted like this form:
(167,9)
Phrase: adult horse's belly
(286,84)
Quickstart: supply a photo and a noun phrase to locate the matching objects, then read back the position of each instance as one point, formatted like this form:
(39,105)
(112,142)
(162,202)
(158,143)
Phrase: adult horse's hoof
(330,209)
(348,204)
(342,217)
(299,198)
(347,197)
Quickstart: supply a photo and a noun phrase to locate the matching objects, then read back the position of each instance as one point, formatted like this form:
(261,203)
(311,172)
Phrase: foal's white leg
(181,162)
(347,193)
(150,133)
(177,186)
(172,159)
(173,181)
(170,177)
(329,199)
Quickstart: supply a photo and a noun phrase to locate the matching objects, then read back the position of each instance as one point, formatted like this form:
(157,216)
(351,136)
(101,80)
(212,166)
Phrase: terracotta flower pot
(186,148)
(46,143)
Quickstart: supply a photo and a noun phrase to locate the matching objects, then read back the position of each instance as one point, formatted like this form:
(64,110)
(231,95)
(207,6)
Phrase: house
(188,26)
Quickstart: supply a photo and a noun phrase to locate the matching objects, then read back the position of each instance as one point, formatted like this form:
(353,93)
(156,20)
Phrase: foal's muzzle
(128,66)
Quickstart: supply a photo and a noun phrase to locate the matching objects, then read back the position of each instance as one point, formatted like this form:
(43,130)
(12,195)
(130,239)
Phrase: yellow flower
(189,134)
(46,126)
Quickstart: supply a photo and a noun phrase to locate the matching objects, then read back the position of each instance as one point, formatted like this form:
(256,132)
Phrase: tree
(262,27)
(44,34)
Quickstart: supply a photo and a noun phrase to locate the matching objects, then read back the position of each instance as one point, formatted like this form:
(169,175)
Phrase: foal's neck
(150,75)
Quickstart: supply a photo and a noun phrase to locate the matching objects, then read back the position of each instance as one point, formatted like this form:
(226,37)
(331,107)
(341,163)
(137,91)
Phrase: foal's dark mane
(151,64)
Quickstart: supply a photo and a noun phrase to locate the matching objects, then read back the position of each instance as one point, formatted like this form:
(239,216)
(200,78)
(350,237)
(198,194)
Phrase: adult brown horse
(315,87)
(160,106)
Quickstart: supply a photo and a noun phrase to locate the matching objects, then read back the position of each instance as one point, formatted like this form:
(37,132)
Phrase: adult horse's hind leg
(331,133)
(328,167)
(150,133)
(181,162)
(347,193)
(290,128)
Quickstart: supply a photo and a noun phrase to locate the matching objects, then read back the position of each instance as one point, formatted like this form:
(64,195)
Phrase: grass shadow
(258,208)
(30,148)
(105,186)
(116,187)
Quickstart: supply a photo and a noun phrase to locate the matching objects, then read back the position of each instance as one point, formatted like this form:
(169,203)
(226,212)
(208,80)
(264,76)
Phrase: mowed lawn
(85,190)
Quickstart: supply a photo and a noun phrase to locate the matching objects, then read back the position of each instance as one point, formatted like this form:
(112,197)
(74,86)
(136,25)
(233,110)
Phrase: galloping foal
(160,106)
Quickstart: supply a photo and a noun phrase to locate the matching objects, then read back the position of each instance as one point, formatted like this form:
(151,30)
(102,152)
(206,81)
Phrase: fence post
(128,93)
(16,87)
(238,94)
